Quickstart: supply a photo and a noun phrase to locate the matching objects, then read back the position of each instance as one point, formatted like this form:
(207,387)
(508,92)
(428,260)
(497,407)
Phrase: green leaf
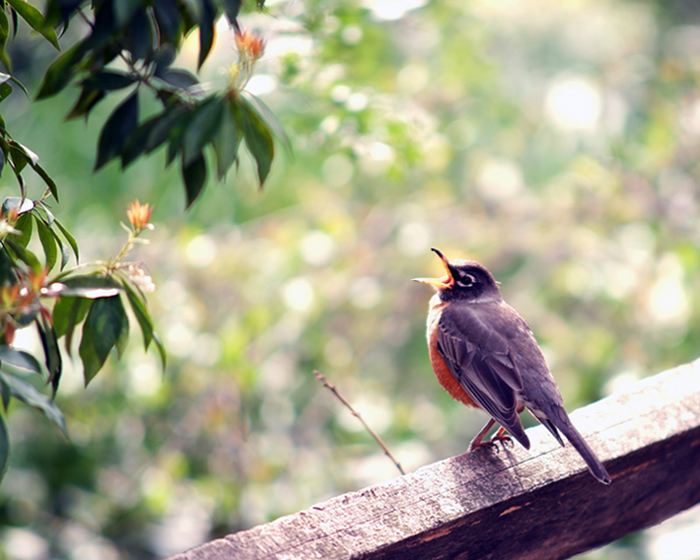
(195,177)
(232,7)
(52,354)
(5,91)
(257,138)
(161,350)
(26,392)
(5,393)
(86,101)
(48,242)
(105,327)
(48,180)
(120,124)
(181,79)
(202,127)
(138,306)
(4,32)
(24,255)
(138,36)
(68,312)
(35,20)
(61,71)
(226,143)
(168,19)
(19,359)
(4,443)
(269,118)
(124,10)
(206,30)
(24,225)
(71,240)
(89,286)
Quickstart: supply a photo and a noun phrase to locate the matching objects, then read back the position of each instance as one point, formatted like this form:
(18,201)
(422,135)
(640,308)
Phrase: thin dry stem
(333,389)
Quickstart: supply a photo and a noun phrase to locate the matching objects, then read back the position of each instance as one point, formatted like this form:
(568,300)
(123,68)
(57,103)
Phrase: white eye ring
(466,281)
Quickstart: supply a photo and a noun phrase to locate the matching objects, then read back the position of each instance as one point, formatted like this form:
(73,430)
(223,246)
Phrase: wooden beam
(539,504)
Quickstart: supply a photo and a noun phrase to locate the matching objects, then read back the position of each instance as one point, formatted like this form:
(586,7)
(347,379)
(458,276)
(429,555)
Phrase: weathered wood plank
(539,504)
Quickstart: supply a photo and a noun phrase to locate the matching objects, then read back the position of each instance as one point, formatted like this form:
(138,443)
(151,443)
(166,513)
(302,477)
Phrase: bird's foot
(504,438)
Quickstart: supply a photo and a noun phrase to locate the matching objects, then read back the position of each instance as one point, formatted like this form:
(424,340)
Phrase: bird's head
(465,280)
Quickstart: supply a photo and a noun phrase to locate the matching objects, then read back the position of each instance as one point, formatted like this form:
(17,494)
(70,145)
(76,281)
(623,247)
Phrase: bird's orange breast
(442,371)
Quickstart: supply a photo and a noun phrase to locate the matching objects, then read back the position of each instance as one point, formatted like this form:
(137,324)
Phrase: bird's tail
(558,419)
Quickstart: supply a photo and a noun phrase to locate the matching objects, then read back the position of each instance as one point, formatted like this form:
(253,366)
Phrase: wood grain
(539,504)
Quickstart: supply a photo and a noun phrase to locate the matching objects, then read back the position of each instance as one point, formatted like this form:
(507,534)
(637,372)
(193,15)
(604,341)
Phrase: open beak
(440,283)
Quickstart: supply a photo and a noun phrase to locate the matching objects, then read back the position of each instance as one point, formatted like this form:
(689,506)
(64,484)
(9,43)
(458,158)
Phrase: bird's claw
(504,439)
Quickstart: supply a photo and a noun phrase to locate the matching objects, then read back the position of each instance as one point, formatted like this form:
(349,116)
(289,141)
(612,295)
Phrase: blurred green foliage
(556,142)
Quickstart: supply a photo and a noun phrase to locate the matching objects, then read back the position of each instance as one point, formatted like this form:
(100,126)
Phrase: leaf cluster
(145,35)
(93,298)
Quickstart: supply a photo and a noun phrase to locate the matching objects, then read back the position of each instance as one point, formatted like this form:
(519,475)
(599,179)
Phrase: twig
(333,389)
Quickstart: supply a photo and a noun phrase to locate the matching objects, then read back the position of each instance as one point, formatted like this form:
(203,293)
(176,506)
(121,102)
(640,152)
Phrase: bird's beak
(440,283)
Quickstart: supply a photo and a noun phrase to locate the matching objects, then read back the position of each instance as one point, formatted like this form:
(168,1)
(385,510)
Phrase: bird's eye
(465,281)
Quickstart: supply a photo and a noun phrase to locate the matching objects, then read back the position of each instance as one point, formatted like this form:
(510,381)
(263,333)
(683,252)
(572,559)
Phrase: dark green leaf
(32,158)
(91,287)
(195,176)
(24,255)
(206,30)
(232,7)
(115,131)
(67,313)
(108,81)
(35,20)
(5,91)
(52,354)
(20,85)
(26,392)
(162,126)
(161,350)
(48,242)
(71,240)
(105,327)
(124,10)
(202,127)
(138,306)
(86,101)
(4,442)
(168,19)
(19,359)
(65,253)
(270,120)
(61,71)
(8,274)
(2,161)
(226,143)
(181,79)
(4,32)
(5,393)
(138,36)
(48,180)
(257,138)
(24,224)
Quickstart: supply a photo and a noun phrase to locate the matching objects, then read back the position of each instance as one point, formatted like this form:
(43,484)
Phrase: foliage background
(555,141)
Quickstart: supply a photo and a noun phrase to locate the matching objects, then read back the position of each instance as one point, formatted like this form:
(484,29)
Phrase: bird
(485,355)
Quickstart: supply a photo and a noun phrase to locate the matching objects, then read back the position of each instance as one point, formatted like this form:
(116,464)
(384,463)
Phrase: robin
(484,354)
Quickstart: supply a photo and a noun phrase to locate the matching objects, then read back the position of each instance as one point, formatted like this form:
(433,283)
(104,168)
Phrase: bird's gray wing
(472,338)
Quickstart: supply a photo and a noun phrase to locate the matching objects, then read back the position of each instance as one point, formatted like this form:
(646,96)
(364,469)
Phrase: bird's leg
(477,443)
(502,436)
